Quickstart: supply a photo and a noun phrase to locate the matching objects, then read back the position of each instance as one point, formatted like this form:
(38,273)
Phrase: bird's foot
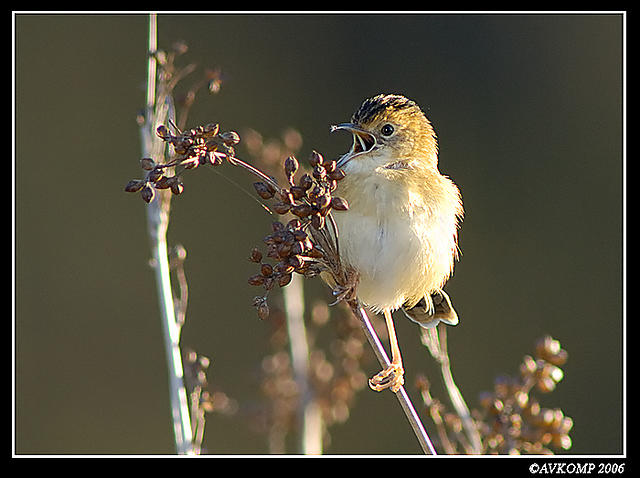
(391,377)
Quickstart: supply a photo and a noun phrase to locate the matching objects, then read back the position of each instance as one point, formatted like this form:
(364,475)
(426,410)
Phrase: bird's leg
(393,376)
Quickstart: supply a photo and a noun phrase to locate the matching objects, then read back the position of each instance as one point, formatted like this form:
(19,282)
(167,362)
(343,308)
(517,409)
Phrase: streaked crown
(398,123)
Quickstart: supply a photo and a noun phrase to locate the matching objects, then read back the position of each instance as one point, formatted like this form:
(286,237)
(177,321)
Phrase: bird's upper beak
(363,141)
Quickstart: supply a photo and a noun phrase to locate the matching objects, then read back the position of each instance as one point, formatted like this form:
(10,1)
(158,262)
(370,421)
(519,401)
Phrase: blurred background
(528,110)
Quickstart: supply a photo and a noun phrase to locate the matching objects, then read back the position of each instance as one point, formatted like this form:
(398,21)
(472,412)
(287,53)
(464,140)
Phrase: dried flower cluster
(195,374)
(201,400)
(192,148)
(338,374)
(337,360)
(293,245)
(510,420)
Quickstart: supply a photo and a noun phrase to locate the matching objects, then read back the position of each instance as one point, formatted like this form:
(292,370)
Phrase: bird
(400,233)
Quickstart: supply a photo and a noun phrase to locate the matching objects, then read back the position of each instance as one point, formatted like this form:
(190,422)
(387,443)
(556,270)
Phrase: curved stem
(438,348)
(401,394)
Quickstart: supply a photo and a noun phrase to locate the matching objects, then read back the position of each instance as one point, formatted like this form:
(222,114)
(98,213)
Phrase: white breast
(402,247)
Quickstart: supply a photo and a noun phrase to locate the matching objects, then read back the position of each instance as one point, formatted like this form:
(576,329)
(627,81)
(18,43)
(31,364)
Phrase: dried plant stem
(310,415)
(401,394)
(157,222)
(437,345)
(238,162)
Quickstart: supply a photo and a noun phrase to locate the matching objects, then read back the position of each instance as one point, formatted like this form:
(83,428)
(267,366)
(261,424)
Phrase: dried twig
(401,394)
(158,111)
(436,341)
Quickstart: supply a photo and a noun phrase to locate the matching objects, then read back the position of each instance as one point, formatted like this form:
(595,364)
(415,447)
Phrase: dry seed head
(284,280)
(177,188)
(315,158)
(319,172)
(256,280)
(281,208)
(154,175)
(230,138)
(147,164)
(211,130)
(266,270)
(305,182)
(339,204)
(163,132)
(256,255)
(263,311)
(291,166)
(134,186)
(263,190)
(147,193)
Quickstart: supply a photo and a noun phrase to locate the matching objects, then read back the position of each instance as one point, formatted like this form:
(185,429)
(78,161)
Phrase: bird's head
(387,129)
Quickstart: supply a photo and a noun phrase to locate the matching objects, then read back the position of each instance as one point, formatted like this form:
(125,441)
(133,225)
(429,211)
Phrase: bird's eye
(387,130)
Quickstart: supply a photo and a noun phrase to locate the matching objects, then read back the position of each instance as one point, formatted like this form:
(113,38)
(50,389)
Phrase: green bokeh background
(529,113)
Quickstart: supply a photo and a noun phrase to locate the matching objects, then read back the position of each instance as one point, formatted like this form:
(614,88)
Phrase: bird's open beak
(363,141)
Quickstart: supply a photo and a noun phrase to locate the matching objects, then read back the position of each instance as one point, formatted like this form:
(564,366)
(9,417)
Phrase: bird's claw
(391,377)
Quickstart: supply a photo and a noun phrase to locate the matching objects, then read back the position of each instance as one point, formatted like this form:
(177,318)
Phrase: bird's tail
(433,309)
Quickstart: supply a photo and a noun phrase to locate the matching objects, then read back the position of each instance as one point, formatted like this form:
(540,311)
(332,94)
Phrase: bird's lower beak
(363,141)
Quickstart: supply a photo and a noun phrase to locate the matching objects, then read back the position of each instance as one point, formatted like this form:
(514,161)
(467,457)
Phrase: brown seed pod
(256,279)
(134,186)
(337,175)
(305,182)
(211,145)
(268,239)
(301,210)
(315,253)
(147,164)
(263,311)
(339,204)
(268,283)
(294,225)
(319,172)
(284,280)
(284,250)
(147,193)
(256,255)
(266,269)
(263,190)
(154,175)
(230,138)
(317,221)
(283,268)
(316,191)
(163,183)
(315,158)
(281,208)
(296,261)
(299,234)
(297,192)
(286,197)
(211,130)
(291,166)
(177,188)
(272,252)
(323,201)
(297,248)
